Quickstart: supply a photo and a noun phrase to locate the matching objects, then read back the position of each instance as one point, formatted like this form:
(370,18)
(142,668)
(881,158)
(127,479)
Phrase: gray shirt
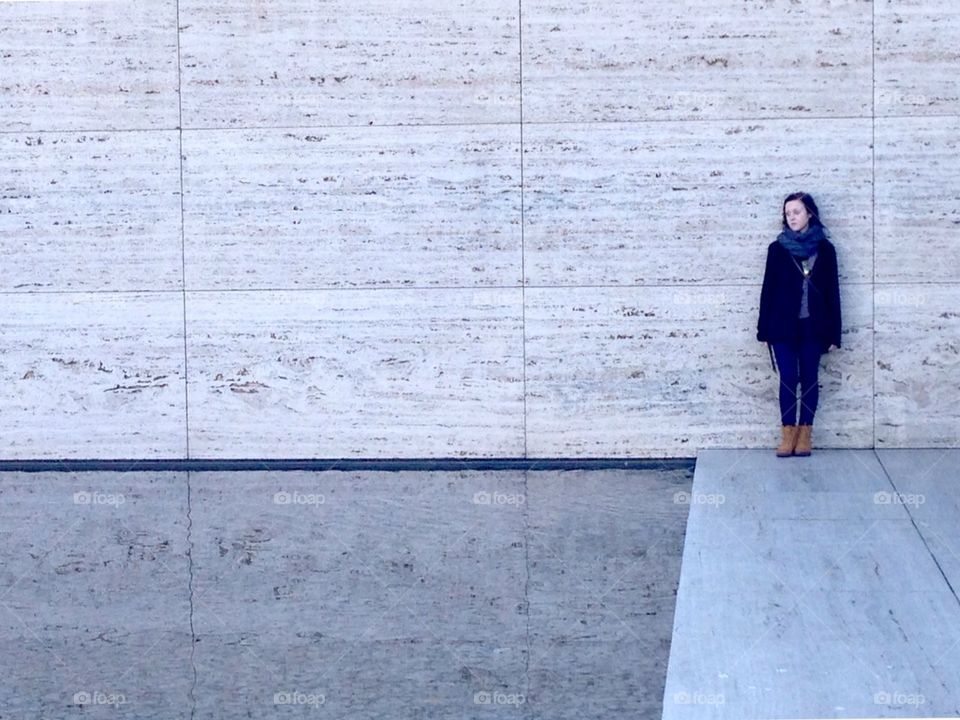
(804,304)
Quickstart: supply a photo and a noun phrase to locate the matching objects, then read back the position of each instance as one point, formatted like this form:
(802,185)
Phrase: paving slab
(927,486)
(94,595)
(808,591)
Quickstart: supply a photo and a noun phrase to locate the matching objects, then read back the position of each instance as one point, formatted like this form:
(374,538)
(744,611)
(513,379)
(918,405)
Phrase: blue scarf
(802,244)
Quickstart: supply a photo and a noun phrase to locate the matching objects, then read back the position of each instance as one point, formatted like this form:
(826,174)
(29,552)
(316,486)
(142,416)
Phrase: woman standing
(799,315)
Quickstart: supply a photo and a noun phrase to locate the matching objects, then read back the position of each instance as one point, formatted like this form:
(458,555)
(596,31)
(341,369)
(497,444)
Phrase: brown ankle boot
(785,449)
(804,443)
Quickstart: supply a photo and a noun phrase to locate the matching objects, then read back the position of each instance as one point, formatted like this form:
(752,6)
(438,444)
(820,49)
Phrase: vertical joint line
(186,404)
(873,216)
(183,251)
(523,271)
(526,584)
(190,585)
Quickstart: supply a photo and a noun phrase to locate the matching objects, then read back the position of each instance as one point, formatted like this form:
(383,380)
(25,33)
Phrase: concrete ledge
(818,587)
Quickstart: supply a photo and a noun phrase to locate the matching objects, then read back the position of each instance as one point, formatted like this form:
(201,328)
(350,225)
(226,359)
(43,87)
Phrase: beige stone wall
(294,228)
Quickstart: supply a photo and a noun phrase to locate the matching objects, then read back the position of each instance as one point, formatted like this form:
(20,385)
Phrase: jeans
(798,362)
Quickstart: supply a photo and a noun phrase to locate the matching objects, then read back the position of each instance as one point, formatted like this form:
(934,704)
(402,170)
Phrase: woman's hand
(832,347)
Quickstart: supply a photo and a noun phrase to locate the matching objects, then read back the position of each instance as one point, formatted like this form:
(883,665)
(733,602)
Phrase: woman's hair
(808,203)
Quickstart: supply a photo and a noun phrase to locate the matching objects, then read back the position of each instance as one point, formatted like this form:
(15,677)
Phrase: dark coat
(782,291)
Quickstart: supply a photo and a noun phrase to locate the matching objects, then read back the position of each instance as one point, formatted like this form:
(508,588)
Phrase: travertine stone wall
(502,228)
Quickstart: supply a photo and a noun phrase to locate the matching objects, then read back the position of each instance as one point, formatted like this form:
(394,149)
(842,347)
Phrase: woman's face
(798,219)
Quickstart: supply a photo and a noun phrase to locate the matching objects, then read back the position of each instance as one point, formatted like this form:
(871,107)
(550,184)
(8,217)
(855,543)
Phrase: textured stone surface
(917,365)
(785,556)
(359,594)
(88,65)
(843,654)
(352,594)
(917,214)
(368,207)
(630,60)
(354,373)
(666,203)
(264,674)
(916,57)
(604,377)
(296,62)
(381,533)
(94,595)
(362,588)
(92,375)
(604,552)
(392,146)
(926,486)
(95,211)
(803,615)
(809,490)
